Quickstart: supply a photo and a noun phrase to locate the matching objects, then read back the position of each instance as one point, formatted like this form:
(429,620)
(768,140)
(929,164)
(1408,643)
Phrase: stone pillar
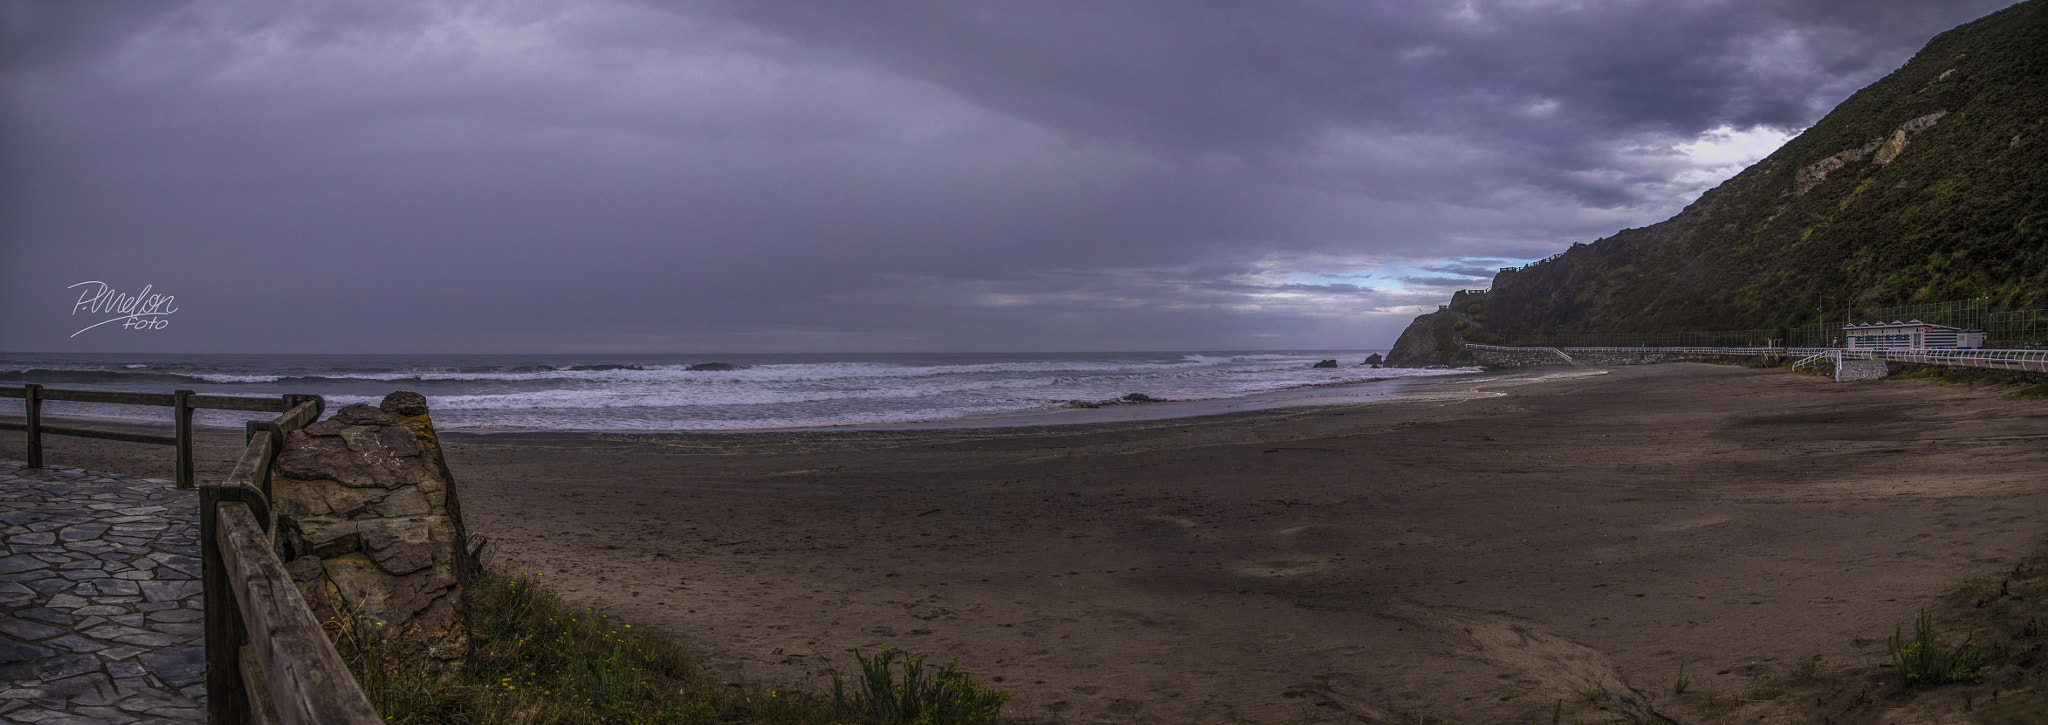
(368,522)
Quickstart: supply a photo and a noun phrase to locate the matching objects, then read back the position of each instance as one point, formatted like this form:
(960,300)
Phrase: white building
(1913,335)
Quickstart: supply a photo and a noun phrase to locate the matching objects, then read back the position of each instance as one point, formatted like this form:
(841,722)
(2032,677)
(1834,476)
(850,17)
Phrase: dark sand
(1476,561)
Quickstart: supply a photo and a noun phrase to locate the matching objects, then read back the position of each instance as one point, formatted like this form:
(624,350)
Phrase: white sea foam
(239,378)
(661,393)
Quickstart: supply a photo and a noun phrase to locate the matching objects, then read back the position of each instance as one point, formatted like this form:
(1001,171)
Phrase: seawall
(1503,357)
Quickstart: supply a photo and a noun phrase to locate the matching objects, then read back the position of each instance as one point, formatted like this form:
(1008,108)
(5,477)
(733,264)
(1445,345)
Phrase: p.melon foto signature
(140,311)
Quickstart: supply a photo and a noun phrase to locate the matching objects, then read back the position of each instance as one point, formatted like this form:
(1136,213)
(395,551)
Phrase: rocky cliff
(1928,185)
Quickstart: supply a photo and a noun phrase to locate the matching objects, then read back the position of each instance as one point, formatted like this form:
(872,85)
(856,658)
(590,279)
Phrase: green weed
(1923,661)
(536,660)
(1806,670)
(944,697)
(1764,687)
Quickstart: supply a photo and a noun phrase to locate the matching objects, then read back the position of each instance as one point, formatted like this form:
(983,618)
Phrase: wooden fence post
(32,410)
(294,400)
(181,412)
(226,699)
(261,479)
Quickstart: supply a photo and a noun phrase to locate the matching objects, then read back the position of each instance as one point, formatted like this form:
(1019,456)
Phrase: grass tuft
(1923,661)
(945,697)
(536,660)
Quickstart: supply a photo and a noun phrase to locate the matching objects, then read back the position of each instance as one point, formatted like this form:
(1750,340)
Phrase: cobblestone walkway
(100,617)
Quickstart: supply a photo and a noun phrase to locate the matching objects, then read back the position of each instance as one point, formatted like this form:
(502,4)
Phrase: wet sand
(1475,560)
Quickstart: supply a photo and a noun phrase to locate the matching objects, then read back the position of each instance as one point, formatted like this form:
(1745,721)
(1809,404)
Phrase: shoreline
(1475,559)
(496,393)
(1375,391)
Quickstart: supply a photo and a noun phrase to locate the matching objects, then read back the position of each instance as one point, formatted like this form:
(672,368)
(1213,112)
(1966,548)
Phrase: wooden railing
(182,403)
(267,660)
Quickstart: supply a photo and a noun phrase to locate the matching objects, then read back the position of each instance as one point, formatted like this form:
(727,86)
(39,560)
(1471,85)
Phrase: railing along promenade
(267,660)
(2015,360)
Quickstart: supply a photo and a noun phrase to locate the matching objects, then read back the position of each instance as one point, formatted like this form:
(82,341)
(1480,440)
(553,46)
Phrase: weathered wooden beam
(308,682)
(262,706)
(227,702)
(299,416)
(253,469)
(181,421)
(319,403)
(231,402)
(162,400)
(63,430)
(32,413)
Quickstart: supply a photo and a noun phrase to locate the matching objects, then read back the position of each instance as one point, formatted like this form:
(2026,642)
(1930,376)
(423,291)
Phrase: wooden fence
(267,660)
(182,403)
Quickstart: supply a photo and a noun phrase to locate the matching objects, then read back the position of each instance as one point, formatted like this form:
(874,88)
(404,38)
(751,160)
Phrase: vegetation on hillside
(1929,185)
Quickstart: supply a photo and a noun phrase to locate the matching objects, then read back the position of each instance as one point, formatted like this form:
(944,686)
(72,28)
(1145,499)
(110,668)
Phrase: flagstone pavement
(100,606)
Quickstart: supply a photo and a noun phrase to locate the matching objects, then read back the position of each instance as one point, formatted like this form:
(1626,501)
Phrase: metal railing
(2000,328)
(2014,360)
(2033,361)
(1719,338)
(1504,348)
(1810,359)
(267,659)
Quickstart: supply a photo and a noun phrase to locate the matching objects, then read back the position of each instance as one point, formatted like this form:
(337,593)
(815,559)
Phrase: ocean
(637,393)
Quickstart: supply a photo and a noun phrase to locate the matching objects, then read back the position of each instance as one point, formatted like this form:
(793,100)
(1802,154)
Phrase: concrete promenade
(100,609)
(1508,356)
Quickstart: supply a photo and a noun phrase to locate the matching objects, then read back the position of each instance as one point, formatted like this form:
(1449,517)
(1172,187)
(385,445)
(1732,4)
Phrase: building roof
(1908,323)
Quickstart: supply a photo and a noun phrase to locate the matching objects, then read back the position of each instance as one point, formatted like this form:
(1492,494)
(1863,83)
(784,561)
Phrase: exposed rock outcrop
(370,526)
(1886,149)
(1438,338)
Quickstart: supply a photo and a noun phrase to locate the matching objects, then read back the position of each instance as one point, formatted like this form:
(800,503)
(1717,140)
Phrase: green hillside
(1929,185)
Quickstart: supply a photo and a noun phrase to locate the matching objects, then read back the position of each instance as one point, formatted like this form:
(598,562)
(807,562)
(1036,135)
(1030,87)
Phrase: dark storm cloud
(1546,84)
(1461,269)
(52,32)
(387,176)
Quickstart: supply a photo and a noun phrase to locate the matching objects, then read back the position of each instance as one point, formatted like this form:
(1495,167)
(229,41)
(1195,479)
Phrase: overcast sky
(885,175)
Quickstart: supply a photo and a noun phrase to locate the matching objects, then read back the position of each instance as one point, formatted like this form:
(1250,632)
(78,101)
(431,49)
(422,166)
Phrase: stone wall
(1535,357)
(1855,370)
(1521,358)
(369,526)
(1652,358)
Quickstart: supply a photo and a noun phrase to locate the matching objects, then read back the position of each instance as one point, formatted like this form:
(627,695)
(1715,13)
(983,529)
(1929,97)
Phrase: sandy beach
(1474,560)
